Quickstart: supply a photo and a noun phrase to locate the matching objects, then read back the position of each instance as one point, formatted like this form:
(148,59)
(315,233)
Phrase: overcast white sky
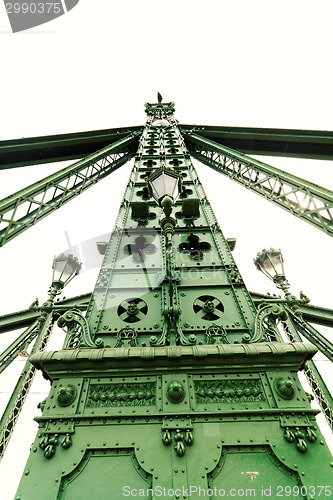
(239,63)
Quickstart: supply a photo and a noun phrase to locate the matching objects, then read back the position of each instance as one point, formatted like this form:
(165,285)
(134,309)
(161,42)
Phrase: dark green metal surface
(260,141)
(173,378)
(312,144)
(52,148)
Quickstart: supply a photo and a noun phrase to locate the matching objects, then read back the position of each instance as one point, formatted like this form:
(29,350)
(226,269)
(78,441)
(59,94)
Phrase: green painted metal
(173,379)
(311,334)
(44,197)
(304,199)
(317,384)
(312,314)
(52,148)
(26,337)
(259,141)
(23,319)
(312,144)
(20,392)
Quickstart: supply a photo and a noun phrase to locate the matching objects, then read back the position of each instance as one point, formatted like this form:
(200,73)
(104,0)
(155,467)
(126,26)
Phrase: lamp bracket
(78,332)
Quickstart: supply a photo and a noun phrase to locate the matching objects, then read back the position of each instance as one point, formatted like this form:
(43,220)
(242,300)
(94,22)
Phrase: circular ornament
(175,392)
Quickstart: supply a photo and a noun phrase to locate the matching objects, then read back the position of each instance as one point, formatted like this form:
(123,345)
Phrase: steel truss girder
(317,384)
(26,337)
(312,314)
(314,144)
(311,334)
(52,148)
(26,207)
(23,319)
(292,143)
(305,200)
(18,397)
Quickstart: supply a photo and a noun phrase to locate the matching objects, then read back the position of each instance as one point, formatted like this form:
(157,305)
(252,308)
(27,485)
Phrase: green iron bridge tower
(173,379)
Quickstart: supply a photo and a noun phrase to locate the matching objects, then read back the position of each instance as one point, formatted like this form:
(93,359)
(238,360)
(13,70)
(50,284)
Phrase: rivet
(176,470)
(27,472)
(206,467)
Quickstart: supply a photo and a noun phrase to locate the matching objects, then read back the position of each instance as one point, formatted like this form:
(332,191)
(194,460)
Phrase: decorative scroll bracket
(265,322)
(78,332)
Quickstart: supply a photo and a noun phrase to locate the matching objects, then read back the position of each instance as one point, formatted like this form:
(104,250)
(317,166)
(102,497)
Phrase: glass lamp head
(270,262)
(164,182)
(65,267)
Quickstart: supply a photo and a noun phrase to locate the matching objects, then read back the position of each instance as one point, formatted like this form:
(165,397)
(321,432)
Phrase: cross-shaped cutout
(195,247)
(175,162)
(139,249)
(185,192)
(144,193)
(149,163)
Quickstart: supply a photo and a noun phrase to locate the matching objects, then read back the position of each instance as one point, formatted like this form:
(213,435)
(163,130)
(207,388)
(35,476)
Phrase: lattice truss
(18,212)
(305,200)
(29,205)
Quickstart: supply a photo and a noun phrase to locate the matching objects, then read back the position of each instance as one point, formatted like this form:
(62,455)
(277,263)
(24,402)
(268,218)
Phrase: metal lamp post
(165,186)
(270,262)
(65,267)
